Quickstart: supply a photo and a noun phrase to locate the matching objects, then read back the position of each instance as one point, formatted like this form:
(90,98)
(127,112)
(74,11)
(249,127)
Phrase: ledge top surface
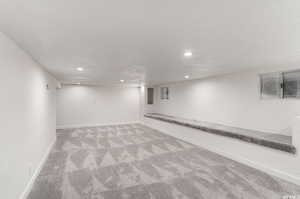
(272,140)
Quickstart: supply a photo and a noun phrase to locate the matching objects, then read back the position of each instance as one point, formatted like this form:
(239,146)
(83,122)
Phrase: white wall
(97,105)
(27,116)
(274,162)
(232,100)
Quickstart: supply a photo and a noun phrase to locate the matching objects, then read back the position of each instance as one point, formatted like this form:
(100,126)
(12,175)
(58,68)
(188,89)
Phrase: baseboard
(29,185)
(270,171)
(273,172)
(95,124)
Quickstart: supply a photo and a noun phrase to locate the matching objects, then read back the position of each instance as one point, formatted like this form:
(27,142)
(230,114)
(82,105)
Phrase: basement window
(271,85)
(164,93)
(280,85)
(291,84)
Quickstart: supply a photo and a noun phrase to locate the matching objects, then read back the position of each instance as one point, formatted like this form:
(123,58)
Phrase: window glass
(291,84)
(271,85)
(164,93)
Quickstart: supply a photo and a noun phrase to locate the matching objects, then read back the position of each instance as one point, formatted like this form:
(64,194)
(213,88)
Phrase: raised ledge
(270,140)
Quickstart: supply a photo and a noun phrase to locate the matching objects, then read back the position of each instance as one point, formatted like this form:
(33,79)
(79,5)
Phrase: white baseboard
(270,171)
(253,164)
(29,185)
(93,125)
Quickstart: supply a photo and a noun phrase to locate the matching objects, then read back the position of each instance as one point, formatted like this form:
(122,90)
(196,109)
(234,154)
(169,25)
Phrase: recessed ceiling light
(188,53)
(122,80)
(78,83)
(79,69)
(186,76)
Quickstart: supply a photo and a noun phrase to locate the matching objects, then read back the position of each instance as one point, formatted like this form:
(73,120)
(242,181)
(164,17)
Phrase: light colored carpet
(136,162)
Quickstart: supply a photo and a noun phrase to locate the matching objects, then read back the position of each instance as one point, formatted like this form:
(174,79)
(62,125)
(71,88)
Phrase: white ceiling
(144,40)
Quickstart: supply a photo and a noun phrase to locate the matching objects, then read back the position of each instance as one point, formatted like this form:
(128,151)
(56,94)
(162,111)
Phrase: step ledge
(226,133)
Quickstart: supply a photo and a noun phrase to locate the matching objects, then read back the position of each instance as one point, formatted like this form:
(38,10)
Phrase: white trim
(93,125)
(270,171)
(248,162)
(29,185)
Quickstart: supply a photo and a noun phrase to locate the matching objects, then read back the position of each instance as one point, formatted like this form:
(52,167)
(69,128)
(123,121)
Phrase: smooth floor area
(136,162)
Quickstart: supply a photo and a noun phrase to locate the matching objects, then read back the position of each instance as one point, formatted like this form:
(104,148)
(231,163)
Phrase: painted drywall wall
(81,105)
(232,100)
(28,117)
(274,162)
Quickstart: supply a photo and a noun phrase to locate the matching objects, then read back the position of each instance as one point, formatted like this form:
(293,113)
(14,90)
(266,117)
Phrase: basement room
(140,99)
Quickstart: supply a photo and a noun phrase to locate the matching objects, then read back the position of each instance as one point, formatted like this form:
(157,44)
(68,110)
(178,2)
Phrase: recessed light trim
(188,53)
(79,69)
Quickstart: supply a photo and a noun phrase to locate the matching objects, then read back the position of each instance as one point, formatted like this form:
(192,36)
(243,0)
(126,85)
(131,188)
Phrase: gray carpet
(136,162)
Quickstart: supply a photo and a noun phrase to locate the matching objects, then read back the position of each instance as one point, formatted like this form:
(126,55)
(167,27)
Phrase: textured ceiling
(144,40)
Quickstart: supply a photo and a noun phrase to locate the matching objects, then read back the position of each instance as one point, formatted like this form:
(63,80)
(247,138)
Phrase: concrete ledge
(274,141)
